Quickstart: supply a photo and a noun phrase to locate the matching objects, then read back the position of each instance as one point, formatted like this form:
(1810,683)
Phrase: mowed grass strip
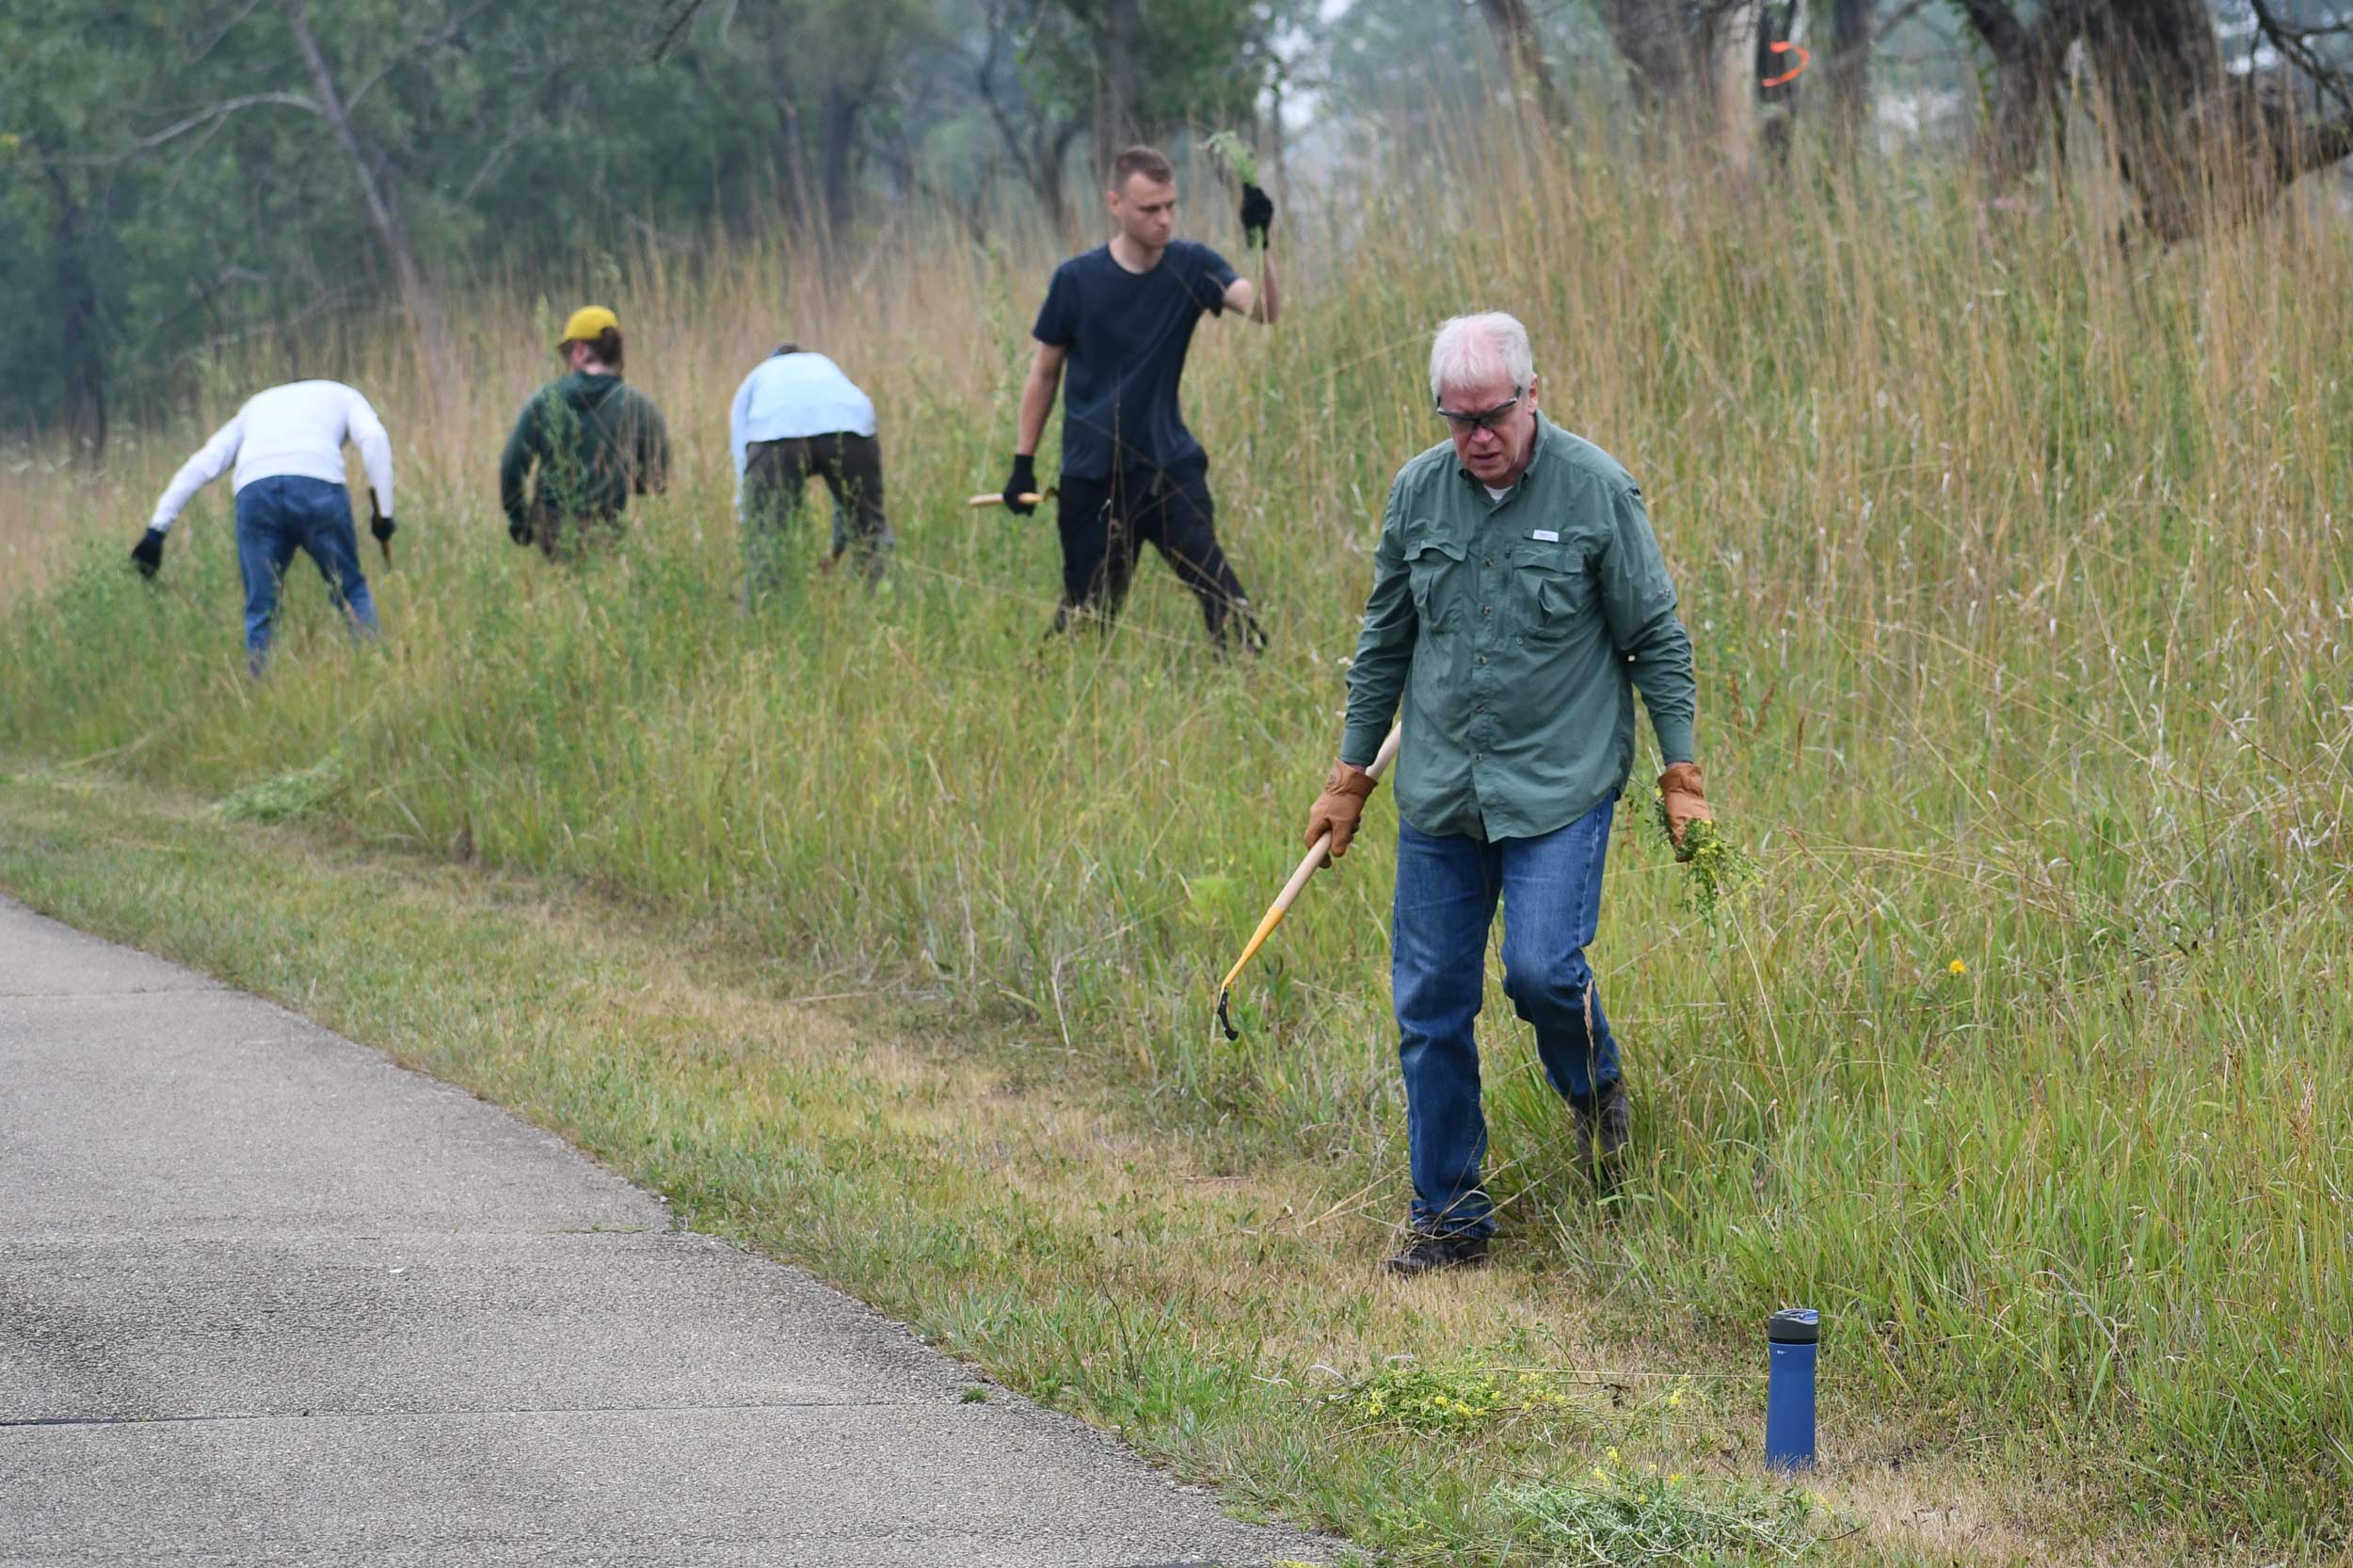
(1223,1319)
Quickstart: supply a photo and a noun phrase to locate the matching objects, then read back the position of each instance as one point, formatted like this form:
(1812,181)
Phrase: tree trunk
(1661,62)
(781,85)
(75,281)
(2026,126)
(2159,67)
(1776,106)
(1276,143)
(837,143)
(1050,177)
(1118,99)
(2194,143)
(379,196)
(1850,76)
(1732,44)
(1513,26)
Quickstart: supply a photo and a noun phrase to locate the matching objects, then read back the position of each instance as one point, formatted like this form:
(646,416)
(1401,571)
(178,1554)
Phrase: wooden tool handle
(1029,498)
(1312,861)
(1307,866)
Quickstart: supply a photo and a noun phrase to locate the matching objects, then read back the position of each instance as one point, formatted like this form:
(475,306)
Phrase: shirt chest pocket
(1552,588)
(1435,569)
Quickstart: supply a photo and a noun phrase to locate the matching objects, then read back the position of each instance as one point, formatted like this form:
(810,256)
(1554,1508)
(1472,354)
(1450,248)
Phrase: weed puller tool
(1282,905)
(1030,497)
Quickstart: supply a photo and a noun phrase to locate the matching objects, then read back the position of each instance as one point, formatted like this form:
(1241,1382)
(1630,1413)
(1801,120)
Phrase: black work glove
(519,530)
(149,552)
(1258,214)
(383,527)
(1024,482)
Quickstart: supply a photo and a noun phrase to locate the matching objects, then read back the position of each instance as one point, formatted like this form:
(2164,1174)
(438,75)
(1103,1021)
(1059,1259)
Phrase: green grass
(2017,573)
(1105,1267)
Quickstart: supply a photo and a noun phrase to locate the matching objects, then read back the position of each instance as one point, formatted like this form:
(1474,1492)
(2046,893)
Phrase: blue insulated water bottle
(1791,1338)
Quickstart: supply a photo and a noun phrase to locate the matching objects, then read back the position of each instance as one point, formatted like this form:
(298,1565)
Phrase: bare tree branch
(1999,26)
(448,32)
(221,35)
(1896,18)
(683,17)
(194,122)
(2294,43)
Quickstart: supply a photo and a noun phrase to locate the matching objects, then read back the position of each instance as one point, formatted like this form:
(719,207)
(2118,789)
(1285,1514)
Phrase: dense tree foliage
(175,173)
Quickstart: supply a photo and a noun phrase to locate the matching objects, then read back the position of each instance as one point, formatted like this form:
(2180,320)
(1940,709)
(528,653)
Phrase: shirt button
(1483,658)
(1486,609)
(1491,560)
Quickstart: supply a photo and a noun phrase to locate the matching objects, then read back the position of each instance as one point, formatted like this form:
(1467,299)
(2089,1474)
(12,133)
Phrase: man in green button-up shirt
(1518,602)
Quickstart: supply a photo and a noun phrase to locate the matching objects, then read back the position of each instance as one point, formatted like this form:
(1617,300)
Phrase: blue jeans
(276,517)
(1446,899)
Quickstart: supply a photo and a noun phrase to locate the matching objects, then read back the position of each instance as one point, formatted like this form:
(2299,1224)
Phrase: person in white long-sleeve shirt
(796,414)
(287,447)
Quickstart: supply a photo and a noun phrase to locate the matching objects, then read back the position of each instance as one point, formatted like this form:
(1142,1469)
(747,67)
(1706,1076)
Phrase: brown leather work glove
(1340,808)
(1687,802)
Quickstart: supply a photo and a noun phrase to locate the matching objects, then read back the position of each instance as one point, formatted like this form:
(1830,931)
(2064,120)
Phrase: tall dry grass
(2020,594)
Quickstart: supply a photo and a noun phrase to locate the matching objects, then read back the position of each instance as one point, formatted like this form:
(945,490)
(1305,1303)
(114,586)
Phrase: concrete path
(266,1297)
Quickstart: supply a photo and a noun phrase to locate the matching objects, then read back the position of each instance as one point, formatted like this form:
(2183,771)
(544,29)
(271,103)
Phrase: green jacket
(1515,632)
(594,439)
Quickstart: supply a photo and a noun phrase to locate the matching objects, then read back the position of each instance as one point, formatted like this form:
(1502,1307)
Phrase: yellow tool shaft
(1307,868)
(1257,939)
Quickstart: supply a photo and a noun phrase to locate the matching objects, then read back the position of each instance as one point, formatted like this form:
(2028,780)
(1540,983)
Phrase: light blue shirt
(789,395)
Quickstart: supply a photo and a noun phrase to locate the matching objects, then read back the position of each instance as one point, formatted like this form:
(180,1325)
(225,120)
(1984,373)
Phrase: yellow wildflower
(1955,967)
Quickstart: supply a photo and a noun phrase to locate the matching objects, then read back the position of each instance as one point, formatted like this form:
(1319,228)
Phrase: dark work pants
(1106,522)
(572,539)
(775,482)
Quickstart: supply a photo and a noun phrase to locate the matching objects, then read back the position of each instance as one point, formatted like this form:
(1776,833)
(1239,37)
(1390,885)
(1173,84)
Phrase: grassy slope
(2021,591)
(1223,1317)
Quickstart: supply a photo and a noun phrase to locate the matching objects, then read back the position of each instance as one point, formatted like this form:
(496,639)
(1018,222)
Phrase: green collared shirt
(1515,632)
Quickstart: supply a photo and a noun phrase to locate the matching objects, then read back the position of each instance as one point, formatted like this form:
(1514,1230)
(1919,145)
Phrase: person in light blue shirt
(796,414)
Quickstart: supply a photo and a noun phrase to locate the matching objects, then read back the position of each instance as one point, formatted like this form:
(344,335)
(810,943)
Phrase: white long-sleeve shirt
(298,429)
(789,395)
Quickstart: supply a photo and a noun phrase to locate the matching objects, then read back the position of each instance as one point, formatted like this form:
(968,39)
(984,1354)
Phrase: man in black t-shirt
(1121,317)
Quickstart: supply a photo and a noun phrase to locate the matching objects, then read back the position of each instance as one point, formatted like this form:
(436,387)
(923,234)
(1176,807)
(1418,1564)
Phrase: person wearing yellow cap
(582,443)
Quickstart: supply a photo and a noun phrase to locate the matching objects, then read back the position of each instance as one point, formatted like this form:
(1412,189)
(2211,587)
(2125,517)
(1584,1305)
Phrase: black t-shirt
(1127,334)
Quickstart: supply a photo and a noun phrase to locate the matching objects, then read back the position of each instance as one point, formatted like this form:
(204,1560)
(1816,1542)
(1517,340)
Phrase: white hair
(1475,348)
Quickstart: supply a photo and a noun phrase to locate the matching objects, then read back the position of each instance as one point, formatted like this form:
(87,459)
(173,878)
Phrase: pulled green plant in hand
(1716,869)
(1228,149)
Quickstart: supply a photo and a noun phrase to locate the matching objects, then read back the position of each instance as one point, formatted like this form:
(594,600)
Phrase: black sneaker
(1603,1129)
(1426,1254)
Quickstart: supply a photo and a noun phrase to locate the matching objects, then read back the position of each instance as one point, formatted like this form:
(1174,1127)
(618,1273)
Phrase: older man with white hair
(1518,602)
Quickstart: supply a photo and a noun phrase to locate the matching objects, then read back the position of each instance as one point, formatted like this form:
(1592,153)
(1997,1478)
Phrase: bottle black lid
(1795,1325)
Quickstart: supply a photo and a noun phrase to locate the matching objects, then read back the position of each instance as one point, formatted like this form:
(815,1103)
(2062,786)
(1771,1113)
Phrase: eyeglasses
(1491,420)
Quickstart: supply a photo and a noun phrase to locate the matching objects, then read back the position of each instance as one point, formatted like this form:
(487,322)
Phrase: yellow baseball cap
(587,324)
